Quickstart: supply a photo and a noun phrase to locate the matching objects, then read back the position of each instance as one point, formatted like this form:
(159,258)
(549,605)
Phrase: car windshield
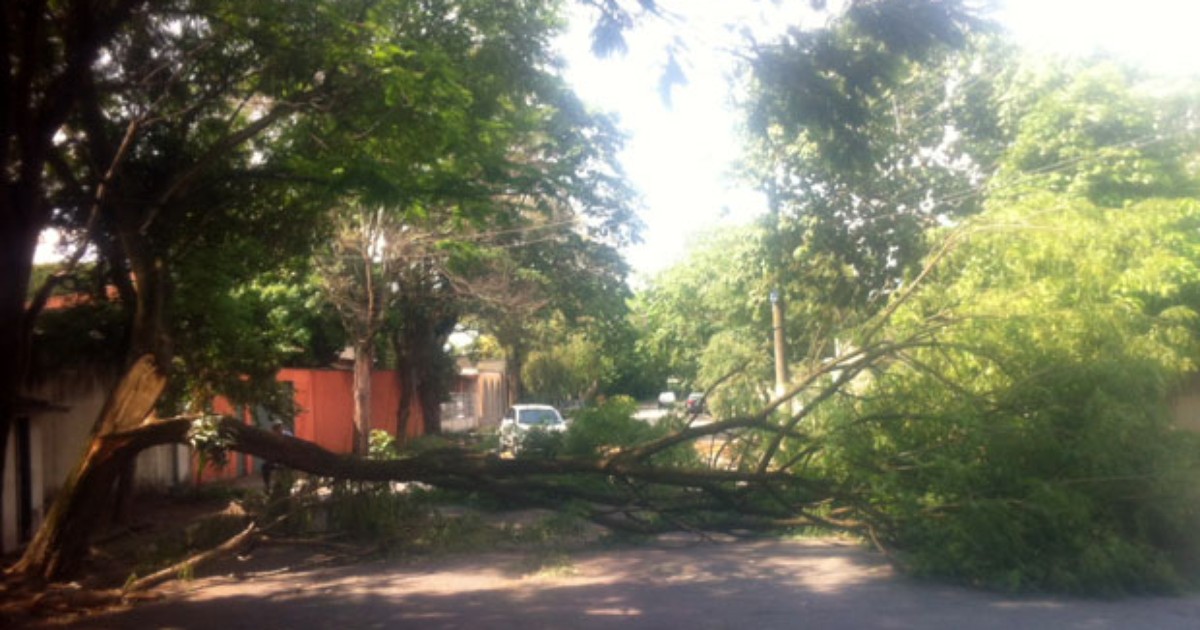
(538,417)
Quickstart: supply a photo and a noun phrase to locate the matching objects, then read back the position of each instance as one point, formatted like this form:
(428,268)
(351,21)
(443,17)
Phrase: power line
(1025,176)
(484,236)
(523,229)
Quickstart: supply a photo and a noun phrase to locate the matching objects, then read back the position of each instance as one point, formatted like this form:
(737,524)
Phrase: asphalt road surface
(756,585)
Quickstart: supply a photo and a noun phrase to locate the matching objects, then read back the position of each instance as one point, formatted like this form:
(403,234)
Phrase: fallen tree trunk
(63,542)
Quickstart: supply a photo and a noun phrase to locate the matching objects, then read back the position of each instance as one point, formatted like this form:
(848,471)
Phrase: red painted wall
(326,406)
(325,415)
(236,464)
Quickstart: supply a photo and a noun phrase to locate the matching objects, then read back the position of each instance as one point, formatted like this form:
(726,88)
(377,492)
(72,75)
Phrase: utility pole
(781,369)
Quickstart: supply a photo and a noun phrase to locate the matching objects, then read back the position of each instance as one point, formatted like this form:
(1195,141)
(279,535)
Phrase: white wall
(57,441)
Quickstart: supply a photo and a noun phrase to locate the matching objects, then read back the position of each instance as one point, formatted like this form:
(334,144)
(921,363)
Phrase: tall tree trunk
(148,338)
(407,374)
(516,359)
(406,378)
(151,280)
(18,240)
(417,345)
(363,359)
(430,398)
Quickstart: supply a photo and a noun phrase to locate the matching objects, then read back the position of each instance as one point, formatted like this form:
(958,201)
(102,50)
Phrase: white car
(521,419)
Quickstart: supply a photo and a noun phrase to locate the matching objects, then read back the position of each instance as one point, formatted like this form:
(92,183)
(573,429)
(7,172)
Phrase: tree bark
(61,541)
(18,240)
(363,359)
(429,397)
(407,374)
(516,360)
(417,344)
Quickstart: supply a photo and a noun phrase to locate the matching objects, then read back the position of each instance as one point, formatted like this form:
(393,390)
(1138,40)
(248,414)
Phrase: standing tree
(243,121)
(863,137)
(425,315)
(505,156)
(570,367)
(510,301)
(369,251)
(187,99)
(716,289)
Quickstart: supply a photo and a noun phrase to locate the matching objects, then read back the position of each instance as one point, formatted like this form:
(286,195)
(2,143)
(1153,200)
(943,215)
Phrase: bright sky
(679,157)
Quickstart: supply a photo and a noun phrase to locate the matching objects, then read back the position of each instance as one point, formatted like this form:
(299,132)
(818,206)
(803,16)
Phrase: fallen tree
(975,433)
(533,481)
(649,482)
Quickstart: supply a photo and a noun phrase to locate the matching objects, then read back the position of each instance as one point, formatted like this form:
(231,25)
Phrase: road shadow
(761,584)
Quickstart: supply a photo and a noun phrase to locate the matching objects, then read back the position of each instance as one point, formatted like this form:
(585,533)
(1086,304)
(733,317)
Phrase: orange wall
(325,415)
(326,406)
(236,464)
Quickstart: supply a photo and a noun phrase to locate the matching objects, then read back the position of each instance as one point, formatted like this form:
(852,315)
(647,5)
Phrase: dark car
(695,403)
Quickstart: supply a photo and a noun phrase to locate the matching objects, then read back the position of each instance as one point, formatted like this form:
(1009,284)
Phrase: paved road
(756,585)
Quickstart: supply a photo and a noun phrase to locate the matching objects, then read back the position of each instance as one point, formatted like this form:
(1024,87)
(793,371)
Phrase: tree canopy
(202,151)
(1001,415)
(992,269)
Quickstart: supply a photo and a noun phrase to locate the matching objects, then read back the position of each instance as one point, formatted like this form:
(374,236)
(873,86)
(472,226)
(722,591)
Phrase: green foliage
(862,136)
(745,370)
(375,512)
(608,425)
(449,114)
(1025,443)
(537,443)
(828,83)
(575,361)
(91,334)
(207,440)
(382,445)
(414,520)
(1030,448)
(599,430)
(1090,129)
(635,371)
(719,288)
(479,145)
(243,334)
(301,329)
(568,371)
(427,443)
